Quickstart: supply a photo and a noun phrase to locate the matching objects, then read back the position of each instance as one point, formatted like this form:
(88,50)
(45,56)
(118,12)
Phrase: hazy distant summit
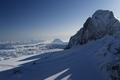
(57,41)
(100,24)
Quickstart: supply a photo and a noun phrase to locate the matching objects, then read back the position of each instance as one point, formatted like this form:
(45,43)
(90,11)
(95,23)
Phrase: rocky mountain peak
(100,24)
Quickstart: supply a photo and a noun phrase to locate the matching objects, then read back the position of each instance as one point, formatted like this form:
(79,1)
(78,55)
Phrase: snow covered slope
(78,63)
(105,27)
(94,54)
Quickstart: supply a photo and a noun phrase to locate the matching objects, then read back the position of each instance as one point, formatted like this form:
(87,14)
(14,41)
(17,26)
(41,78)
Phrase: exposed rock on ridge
(100,24)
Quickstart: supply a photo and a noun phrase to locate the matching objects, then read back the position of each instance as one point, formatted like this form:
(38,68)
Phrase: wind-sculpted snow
(100,24)
(77,63)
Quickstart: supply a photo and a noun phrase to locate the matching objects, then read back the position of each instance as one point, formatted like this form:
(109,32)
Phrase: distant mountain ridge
(100,24)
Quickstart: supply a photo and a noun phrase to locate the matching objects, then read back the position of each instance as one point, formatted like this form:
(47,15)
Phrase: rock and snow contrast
(101,23)
(103,27)
(93,53)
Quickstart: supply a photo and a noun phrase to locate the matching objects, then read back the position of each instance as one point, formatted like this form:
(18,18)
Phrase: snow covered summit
(100,24)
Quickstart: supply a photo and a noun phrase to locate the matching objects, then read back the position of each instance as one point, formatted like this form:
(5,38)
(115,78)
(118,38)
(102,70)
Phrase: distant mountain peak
(100,24)
(57,41)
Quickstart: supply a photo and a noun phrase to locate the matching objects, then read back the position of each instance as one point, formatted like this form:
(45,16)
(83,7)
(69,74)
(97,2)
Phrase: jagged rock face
(100,24)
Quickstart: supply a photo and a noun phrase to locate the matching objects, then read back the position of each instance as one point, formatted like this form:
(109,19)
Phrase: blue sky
(48,19)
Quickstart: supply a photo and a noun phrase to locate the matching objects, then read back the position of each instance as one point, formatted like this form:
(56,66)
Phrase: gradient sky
(48,19)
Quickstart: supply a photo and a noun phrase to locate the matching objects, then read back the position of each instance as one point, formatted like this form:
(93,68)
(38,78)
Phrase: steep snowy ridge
(105,27)
(100,24)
